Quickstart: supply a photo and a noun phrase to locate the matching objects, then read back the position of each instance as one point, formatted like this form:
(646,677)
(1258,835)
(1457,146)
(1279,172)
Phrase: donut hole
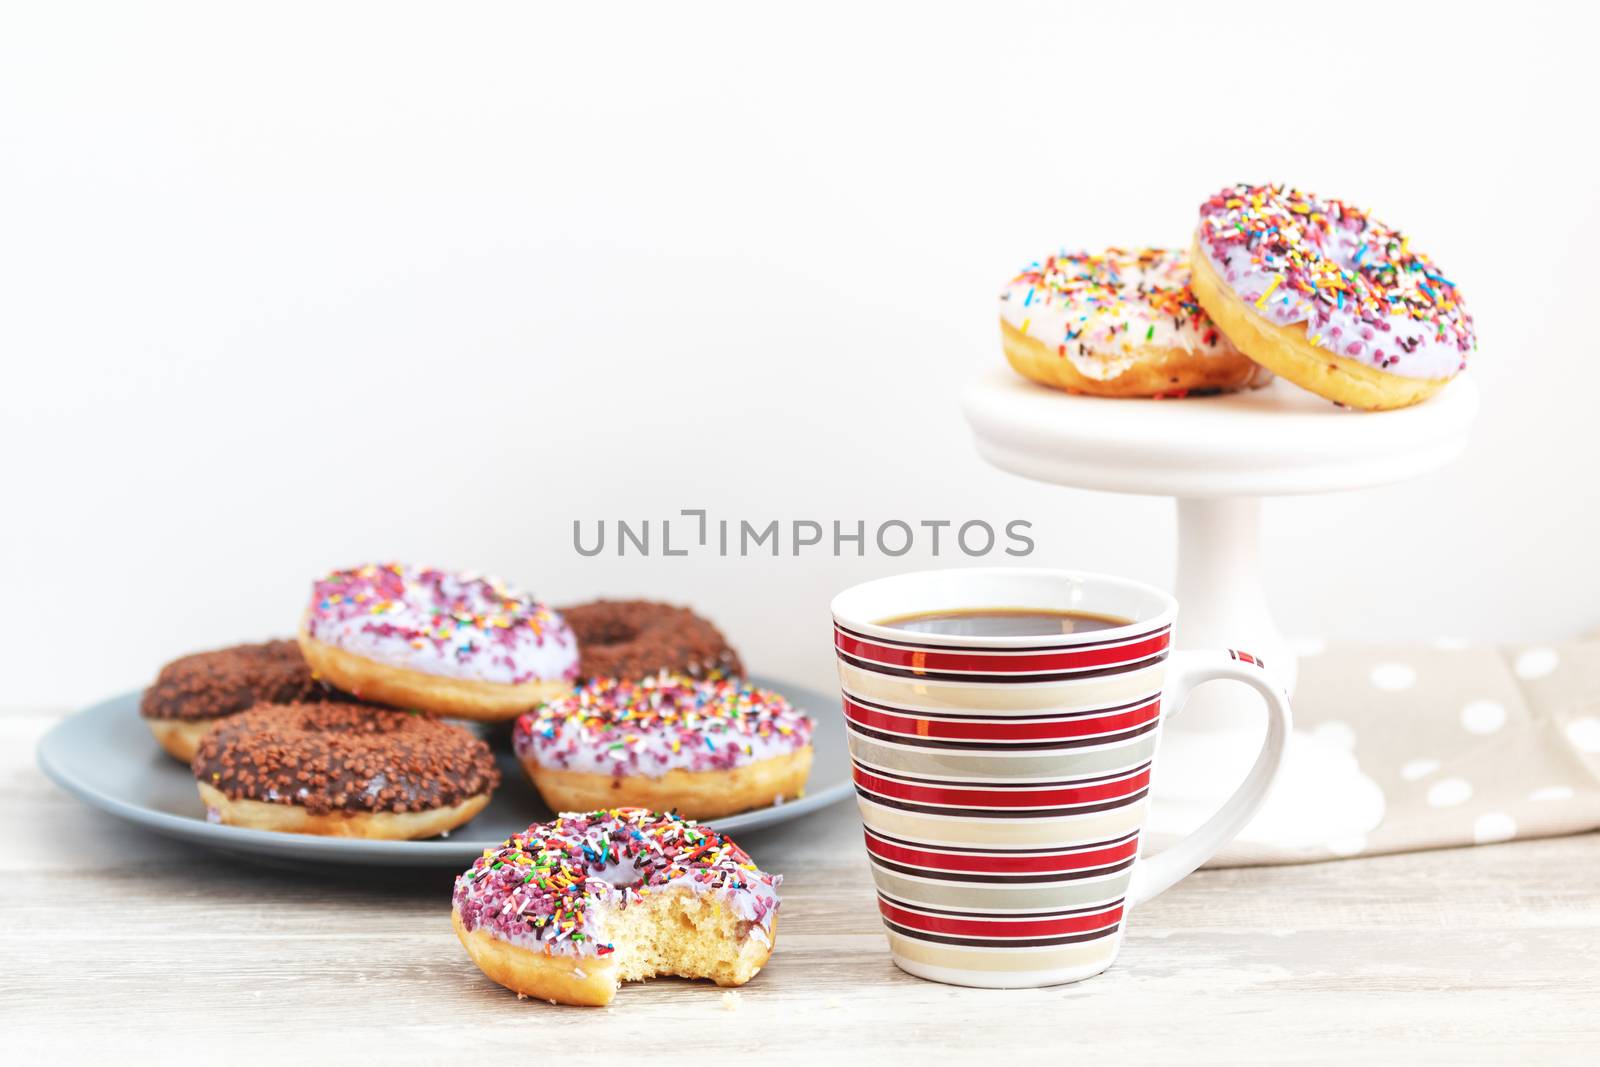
(619,875)
(612,632)
(638,638)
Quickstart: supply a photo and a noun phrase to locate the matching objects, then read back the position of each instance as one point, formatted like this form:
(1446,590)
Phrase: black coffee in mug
(1003,622)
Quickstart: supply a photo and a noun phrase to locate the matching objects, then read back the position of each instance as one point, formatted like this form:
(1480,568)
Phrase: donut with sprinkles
(343,770)
(703,747)
(1325,295)
(1118,323)
(443,642)
(566,911)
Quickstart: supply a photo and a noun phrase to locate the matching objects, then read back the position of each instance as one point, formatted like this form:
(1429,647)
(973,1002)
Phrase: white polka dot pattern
(1393,677)
(1584,734)
(1449,792)
(1493,826)
(1348,846)
(1536,663)
(1483,716)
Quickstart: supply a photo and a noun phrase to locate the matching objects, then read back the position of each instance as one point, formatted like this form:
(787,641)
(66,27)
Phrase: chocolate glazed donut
(633,639)
(192,693)
(343,770)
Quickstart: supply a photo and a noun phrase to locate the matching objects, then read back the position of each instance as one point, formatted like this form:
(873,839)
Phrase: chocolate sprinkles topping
(634,639)
(330,757)
(211,685)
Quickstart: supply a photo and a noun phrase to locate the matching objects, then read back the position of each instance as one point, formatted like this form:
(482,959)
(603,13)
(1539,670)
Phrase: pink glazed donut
(1323,294)
(704,748)
(438,641)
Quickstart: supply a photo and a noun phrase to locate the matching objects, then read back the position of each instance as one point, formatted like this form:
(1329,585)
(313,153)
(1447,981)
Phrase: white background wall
(311,284)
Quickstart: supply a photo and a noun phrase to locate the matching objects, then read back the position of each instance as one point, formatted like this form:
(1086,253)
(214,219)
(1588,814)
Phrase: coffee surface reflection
(1003,622)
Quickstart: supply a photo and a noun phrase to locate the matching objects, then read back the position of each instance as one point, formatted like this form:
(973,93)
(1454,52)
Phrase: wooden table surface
(111,938)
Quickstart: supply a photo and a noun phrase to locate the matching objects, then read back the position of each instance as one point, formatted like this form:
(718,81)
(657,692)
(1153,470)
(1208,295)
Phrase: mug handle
(1156,874)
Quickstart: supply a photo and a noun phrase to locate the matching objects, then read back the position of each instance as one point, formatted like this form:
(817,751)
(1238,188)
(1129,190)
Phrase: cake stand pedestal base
(1217,457)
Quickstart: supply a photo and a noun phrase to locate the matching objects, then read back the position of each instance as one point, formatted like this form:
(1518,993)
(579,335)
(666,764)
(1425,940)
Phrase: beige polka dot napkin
(1468,744)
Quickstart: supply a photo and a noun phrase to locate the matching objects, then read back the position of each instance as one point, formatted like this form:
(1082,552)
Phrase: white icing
(570,746)
(1097,314)
(659,724)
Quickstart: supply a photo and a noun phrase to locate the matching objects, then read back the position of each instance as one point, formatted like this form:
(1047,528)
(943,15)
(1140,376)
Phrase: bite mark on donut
(568,910)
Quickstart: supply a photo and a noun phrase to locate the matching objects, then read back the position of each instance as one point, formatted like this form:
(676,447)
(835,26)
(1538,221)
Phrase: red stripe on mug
(1001,729)
(932,659)
(1047,797)
(999,926)
(967,863)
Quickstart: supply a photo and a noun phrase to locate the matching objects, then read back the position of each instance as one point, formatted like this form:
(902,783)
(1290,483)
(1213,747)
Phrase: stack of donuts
(630,717)
(1276,281)
(345,732)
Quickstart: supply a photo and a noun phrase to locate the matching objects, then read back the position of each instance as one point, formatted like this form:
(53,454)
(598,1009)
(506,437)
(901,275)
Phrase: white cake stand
(1218,456)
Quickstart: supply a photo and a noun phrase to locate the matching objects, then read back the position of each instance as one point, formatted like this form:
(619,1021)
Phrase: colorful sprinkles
(1355,282)
(549,886)
(441,622)
(1102,308)
(661,723)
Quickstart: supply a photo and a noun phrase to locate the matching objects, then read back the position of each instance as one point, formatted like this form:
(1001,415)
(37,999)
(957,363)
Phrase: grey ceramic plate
(106,757)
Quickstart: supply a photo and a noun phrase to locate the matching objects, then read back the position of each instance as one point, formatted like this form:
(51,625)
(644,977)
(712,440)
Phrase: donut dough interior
(666,932)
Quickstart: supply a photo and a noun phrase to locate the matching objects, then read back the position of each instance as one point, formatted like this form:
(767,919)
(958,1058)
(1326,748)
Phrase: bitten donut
(343,770)
(701,747)
(638,638)
(191,694)
(1328,297)
(440,642)
(1121,323)
(569,910)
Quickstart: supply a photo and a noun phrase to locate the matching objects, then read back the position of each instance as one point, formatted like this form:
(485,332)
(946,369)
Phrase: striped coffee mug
(1003,781)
